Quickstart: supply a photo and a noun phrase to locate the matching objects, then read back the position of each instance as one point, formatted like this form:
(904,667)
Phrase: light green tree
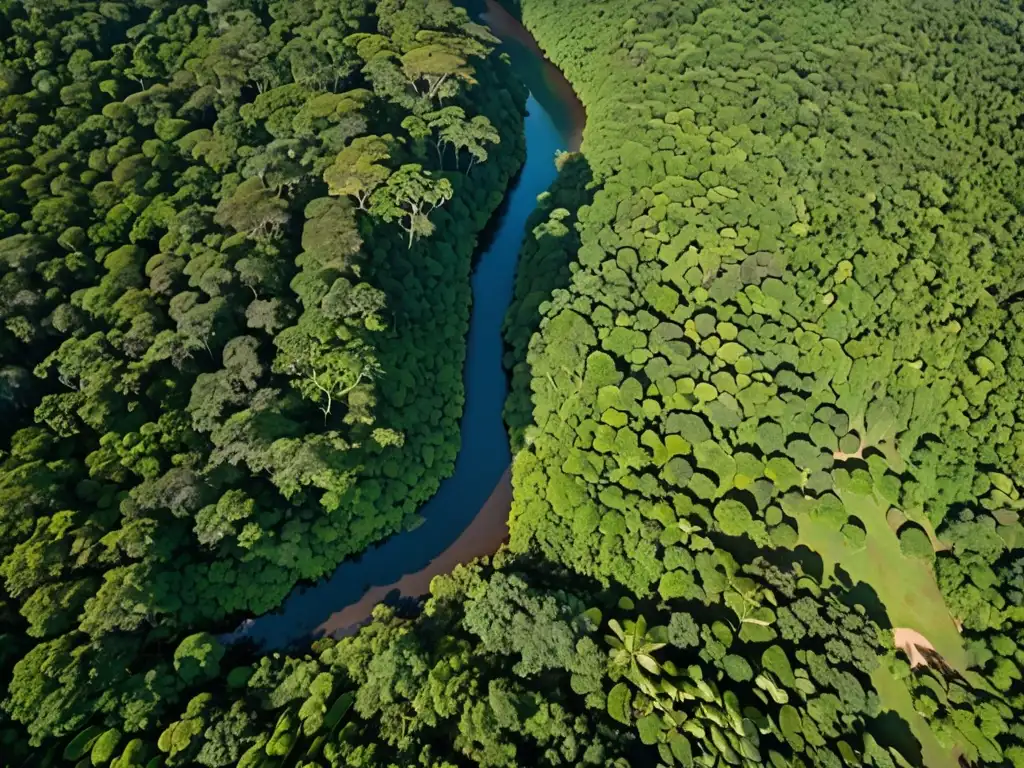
(633,647)
(357,170)
(472,136)
(409,197)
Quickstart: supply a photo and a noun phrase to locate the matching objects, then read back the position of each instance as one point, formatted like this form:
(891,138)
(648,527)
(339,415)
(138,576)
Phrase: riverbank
(511,32)
(482,538)
(467,517)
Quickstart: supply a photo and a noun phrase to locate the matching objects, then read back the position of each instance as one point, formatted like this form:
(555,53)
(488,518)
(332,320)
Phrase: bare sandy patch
(918,648)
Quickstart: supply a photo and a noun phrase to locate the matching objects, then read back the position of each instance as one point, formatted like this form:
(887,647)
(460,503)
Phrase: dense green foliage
(507,667)
(795,304)
(473,682)
(236,245)
(766,347)
(787,266)
(543,268)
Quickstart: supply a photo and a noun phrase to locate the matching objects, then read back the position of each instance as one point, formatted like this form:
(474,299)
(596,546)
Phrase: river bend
(468,517)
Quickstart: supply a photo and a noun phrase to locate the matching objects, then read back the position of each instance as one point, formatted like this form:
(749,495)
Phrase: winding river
(468,517)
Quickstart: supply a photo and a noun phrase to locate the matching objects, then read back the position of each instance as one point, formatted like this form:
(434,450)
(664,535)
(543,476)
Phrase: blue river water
(551,125)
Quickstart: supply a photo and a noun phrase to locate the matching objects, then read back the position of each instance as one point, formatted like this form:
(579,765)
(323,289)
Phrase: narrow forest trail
(468,517)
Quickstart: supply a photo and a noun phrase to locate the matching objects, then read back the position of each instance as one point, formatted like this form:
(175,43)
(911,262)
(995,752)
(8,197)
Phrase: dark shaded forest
(236,245)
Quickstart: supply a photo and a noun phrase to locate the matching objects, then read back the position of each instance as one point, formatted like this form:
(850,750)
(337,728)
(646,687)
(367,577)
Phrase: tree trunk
(433,90)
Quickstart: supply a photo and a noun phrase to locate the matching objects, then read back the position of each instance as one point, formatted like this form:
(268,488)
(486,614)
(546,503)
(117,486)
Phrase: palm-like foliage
(633,646)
